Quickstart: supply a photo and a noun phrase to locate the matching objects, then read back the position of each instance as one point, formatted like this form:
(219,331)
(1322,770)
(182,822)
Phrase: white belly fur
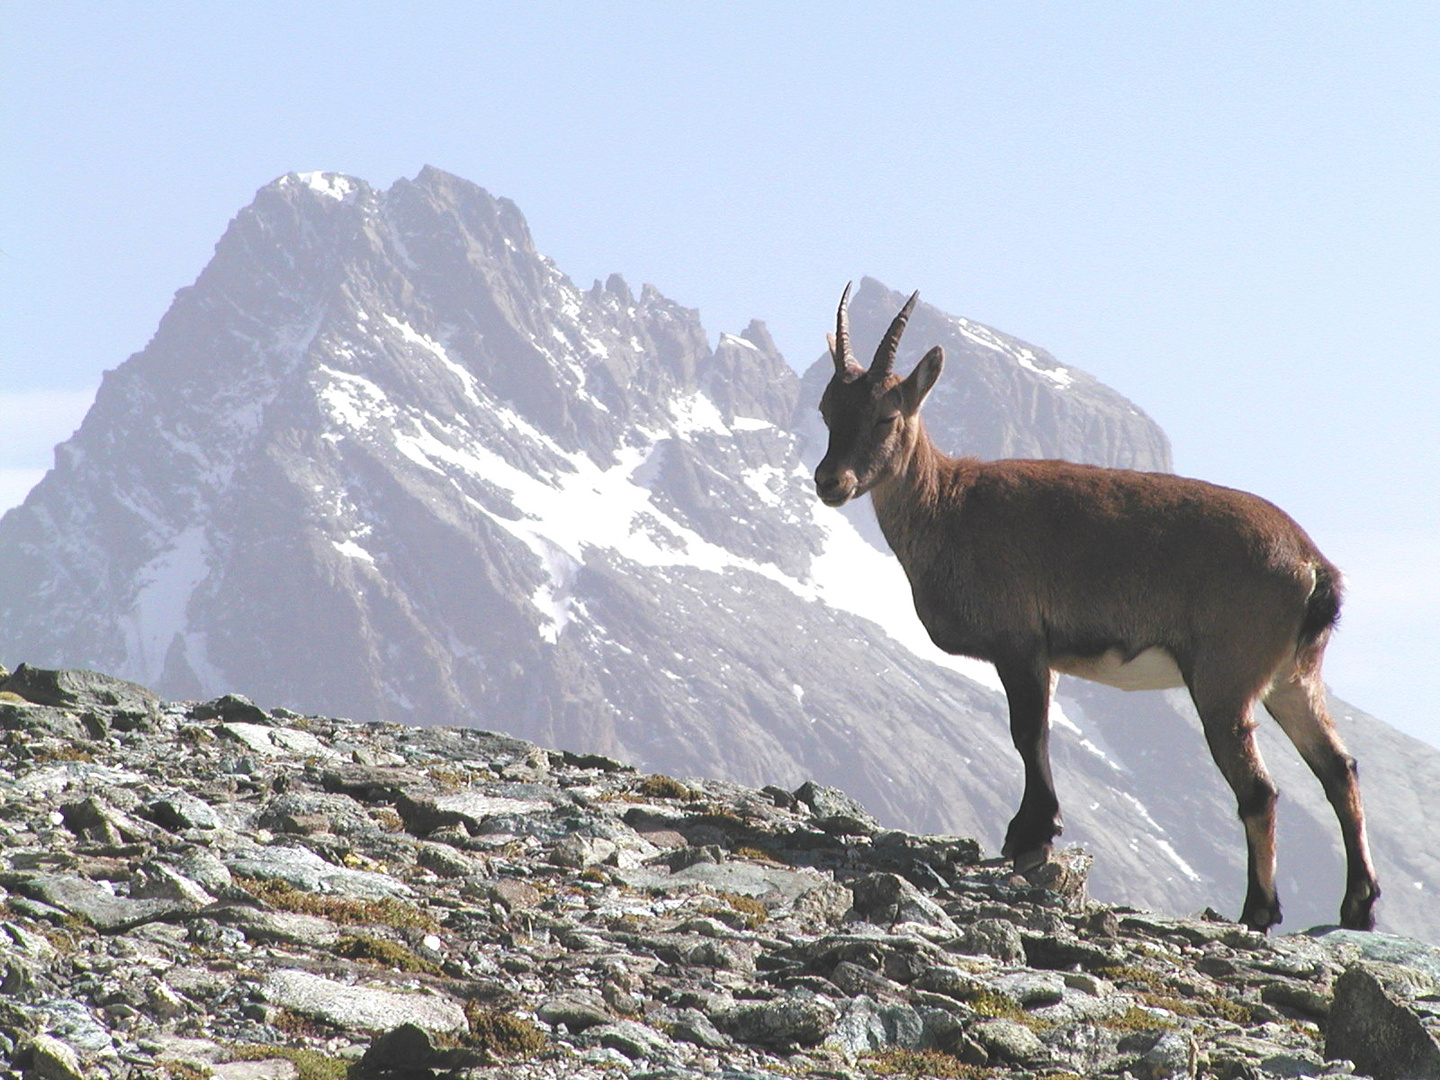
(1153,669)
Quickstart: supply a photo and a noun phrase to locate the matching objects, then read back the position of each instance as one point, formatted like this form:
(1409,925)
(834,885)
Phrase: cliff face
(213,889)
(384,460)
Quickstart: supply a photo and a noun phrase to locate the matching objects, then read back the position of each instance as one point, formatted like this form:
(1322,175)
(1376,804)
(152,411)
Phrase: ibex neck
(910,495)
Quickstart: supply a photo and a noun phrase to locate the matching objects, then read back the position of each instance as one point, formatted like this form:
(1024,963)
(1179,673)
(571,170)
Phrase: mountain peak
(331,185)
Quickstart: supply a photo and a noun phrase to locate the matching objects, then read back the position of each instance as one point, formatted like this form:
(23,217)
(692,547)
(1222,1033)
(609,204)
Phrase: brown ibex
(1137,580)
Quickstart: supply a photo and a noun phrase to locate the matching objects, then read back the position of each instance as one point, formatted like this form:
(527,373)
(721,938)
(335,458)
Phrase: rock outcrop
(213,890)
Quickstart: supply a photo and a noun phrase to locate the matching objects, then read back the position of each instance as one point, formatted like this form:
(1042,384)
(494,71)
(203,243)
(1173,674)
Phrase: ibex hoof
(1358,910)
(1262,917)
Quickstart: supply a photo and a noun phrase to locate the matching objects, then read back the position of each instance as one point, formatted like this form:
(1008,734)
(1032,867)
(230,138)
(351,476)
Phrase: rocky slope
(194,890)
(384,460)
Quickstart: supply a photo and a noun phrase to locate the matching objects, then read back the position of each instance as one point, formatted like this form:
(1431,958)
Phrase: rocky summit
(215,890)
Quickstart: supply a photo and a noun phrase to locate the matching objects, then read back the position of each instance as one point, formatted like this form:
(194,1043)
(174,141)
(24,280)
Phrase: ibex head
(871,414)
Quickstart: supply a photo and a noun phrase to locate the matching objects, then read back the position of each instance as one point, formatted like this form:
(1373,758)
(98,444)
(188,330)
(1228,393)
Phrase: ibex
(1137,580)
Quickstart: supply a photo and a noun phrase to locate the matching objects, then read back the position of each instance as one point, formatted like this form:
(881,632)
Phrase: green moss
(755,854)
(300,1026)
(1131,975)
(752,911)
(1137,1019)
(503,1034)
(47,755)
(449,777)
(658,786)
(384,953)
(309,1064)
(1207,1006)
(387,911)
(994,1004)
(924,1063)
(388,819)
(12,698)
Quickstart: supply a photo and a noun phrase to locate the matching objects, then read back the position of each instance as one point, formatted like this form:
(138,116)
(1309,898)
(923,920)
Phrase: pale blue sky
(1229,212)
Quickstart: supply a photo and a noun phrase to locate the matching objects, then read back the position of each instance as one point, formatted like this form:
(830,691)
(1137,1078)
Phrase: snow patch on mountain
(1026,358)
(332,185)
(166,584)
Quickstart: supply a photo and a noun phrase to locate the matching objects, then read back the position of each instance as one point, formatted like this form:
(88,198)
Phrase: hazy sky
(1229,212)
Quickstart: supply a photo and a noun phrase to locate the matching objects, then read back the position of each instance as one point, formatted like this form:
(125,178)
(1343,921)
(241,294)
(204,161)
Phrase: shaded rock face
(381,901)
(383,459)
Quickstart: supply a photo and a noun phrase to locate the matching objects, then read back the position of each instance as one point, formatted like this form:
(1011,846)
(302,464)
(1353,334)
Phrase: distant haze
(1227,212)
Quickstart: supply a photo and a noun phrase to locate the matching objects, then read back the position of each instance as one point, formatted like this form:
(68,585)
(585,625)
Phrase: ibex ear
(918,383)
(830,340)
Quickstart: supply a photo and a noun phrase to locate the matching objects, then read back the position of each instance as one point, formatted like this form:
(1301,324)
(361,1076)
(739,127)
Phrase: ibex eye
(886,420)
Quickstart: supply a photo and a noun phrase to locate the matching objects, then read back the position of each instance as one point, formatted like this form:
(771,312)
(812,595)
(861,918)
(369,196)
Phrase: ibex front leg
(1027,686)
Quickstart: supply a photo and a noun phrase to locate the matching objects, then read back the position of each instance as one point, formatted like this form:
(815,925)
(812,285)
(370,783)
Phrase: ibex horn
(840,340)
(885,354)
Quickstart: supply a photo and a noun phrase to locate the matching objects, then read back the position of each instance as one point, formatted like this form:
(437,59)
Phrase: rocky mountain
(384,460)
(199,890)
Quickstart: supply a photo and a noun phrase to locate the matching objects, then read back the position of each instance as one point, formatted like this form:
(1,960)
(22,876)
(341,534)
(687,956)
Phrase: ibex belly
(1152,669)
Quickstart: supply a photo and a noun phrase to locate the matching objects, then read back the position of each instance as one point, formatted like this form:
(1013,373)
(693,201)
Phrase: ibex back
(1138,580)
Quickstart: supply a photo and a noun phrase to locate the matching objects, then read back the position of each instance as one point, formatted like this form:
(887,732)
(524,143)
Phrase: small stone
(445,860)
(512,893)
(409,1051)
(632,1038)
(180,810)
(950,981)
(361,1007)
(890,899)
(271,1069)
(991,937)
(52,1059)
(1301,997)
(579,852)
(836,812)
(825,903)
(1173,1057)
(692,1026)
(1033,990)
(1064,873)
(232,708)
(1010,1042)
(800,1018)
(165,1002)
(576,1009)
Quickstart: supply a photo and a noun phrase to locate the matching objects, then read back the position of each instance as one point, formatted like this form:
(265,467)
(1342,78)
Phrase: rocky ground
(210,890)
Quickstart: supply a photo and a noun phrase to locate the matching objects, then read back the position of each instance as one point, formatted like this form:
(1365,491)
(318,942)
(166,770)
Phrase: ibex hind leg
(1298,706)
(1037,823)
(1230,731)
